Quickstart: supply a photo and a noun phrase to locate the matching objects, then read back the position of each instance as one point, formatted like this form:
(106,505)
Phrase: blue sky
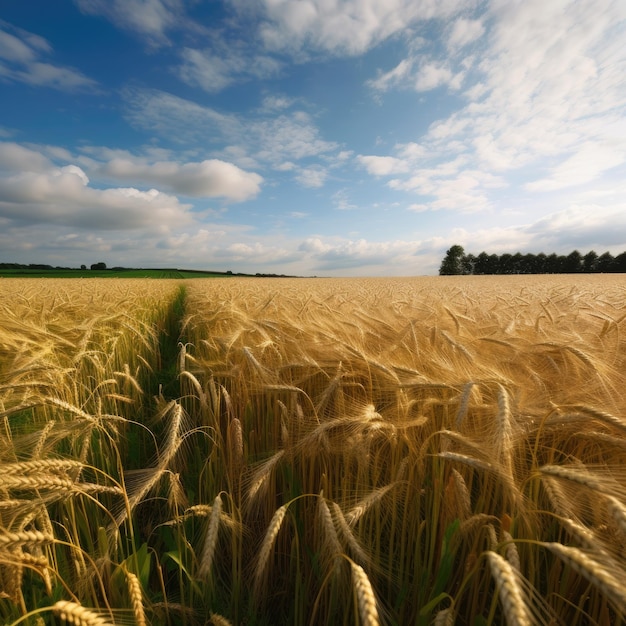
(312,137)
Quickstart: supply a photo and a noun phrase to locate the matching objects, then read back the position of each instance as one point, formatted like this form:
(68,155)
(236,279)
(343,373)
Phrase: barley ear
(210,542)
(511,595)
(136,598)
(266,548)
(366,600)
(78,615)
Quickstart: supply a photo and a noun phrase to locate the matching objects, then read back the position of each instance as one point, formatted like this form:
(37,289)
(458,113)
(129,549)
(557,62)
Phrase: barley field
(445,450)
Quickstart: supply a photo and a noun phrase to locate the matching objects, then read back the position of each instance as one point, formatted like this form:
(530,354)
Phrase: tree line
(457,262)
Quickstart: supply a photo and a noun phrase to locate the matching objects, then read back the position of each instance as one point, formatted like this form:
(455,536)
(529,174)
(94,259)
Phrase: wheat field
(446,450)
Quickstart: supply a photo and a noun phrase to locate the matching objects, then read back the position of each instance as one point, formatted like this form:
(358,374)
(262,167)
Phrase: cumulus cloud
(23,58)
(209,179)
(383,165)
(34,191)
(16,158)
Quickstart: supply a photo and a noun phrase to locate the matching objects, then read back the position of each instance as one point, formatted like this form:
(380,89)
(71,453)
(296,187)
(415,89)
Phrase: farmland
(446,450)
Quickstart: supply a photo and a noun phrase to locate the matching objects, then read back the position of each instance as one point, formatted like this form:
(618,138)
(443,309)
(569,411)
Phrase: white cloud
(545,98)
(277,103)
(174,117)
(213,70)
(342,201)
(263,136)
(149,18)
(433,74)
(363,257)
(313,177)
(286,166)
(343,26)
(33,191)
(383,165)
(588,162)
(209,179)
(14,157)
(21,61)
(393,77)
(464,31)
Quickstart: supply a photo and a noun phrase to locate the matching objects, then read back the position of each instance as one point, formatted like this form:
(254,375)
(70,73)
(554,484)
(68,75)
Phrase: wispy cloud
(546,93)
(151,19)
(215,69)
(268,137)
(25,58)
(348,27)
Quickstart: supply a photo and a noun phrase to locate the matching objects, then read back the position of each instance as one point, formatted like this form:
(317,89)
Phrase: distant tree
(573,263)
(517,263)
(98,266)
(453,261)
(605,262)
(590,262)
(468,263)
(83,267)
(481,264)
(539,265)
(619,263)
(506,264)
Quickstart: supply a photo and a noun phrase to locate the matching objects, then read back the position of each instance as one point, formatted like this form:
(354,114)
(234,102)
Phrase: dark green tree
(468,263)
(605,262)
(573,263)
(453,261)
(590,262)
(619,263)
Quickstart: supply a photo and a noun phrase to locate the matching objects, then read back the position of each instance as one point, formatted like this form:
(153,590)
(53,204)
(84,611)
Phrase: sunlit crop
(305,451)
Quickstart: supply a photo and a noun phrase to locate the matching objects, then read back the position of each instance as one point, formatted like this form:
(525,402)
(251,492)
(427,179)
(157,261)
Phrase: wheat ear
(41,465)
(9,540)
(511,595)
(210,542)
(618,512)
(346,532)
(78,615)
(266,547)
(218,620)
(136,598)
(596,573)
(366,599)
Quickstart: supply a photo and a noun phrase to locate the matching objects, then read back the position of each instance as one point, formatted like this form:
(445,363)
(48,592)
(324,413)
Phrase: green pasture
(109,273)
